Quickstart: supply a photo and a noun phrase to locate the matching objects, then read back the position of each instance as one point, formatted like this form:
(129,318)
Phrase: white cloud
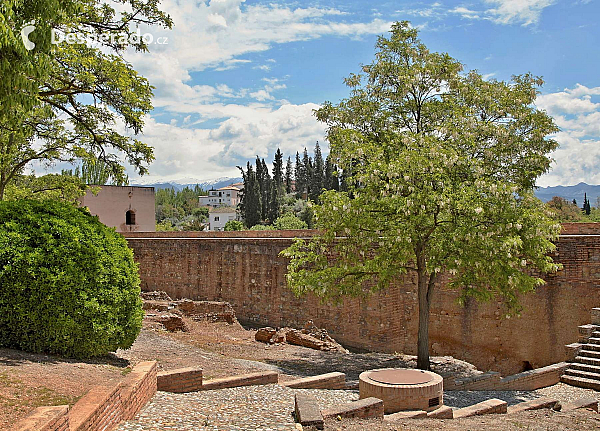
(505,12)
(248,131)
(578,116)
(524,12)
(216,127)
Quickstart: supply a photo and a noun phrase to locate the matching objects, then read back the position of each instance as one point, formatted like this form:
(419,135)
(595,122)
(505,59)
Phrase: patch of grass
(126,371)
(43,396)
(7,381)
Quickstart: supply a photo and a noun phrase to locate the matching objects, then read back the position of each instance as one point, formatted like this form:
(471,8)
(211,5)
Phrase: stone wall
(244,268)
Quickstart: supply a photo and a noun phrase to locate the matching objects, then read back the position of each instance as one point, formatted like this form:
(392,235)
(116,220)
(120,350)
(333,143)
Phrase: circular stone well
(403,389)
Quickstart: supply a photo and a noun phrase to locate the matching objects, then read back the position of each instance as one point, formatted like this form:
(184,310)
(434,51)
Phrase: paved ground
(266,408)
(270,407)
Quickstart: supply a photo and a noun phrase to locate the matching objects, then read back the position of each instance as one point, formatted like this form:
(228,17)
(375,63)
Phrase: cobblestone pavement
(266,408)
(270,407)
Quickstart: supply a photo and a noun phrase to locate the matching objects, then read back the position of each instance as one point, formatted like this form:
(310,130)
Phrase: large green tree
(61,102)
(440,167)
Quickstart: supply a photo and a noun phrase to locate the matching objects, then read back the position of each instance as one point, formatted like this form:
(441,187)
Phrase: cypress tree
(318,174)
(288,176)
(299,174)
(331,180)
(307,174)
(250,201)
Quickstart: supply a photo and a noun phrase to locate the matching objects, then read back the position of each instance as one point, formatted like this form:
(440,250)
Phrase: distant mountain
(187,182)
(570,192)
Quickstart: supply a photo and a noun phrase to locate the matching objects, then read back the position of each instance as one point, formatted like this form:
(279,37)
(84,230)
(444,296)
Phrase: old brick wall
(244,269)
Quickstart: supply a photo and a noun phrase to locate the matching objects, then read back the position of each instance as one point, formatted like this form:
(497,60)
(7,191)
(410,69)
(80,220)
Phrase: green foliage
(63,187)
(180,210)
(233,225)
(70,285)
(565,211)
(439,168)
(165,226)
(289,221)
(262,227)
(63,102)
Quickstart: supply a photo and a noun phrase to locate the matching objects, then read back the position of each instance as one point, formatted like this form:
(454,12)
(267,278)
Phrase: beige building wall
(112,203)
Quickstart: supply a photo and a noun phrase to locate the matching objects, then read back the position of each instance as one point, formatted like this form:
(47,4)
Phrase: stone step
(595,347)
(590,361)
(594,340)
(589,353)
(595,316)
(585,367)
(585,374)
(580,382)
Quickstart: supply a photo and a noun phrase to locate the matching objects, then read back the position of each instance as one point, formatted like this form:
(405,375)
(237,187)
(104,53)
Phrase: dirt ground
(28,380)
(537,420)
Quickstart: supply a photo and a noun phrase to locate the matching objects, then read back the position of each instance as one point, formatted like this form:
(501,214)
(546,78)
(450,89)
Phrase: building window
(130,217)
(216,218)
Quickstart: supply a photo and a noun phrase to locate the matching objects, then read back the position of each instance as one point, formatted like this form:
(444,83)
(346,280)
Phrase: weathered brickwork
(244,269)
(102,408)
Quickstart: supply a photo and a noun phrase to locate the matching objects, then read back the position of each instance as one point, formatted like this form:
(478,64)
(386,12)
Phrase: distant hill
(189,182)
(570,192)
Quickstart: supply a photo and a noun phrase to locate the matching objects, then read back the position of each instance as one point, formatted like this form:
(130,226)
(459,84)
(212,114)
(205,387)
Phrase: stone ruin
(161,309)
(310,336)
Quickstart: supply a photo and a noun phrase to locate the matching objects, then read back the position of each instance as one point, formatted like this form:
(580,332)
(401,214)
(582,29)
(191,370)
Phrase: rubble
(310,336)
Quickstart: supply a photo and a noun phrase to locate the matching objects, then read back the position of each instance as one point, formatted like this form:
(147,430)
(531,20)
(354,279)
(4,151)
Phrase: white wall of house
(227,196)
(218,219)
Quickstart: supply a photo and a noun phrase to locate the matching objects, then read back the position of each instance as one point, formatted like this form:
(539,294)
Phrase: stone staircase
(584,371)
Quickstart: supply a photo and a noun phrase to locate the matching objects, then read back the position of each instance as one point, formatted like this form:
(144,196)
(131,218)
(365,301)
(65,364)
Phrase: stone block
(490,406)
(260,378)
(46,419)
(264,335)
(539,403)
(364,409)
(443,412)
(596,316)
(408,414)
(307,411)
(323,381)
(571,351)
(581,403)
(585,332)
(180,381)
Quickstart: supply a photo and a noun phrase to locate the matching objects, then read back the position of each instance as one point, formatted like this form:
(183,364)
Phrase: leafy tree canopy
(440,167)
(61,102)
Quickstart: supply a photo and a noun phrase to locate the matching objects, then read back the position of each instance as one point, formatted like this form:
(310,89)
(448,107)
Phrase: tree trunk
(423,337)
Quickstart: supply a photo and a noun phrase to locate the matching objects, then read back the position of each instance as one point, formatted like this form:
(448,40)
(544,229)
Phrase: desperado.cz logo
(25,32)
(72,38)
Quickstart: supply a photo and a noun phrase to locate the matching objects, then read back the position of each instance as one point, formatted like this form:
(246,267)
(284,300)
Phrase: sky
(235,79)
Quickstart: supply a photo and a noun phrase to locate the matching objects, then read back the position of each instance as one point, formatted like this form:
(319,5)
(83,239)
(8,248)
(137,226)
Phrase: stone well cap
(400,376)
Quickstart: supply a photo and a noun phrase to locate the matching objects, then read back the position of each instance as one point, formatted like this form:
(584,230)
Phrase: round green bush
(68,284)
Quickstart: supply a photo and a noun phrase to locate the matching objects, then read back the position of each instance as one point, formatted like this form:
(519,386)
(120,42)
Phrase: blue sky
(238,78)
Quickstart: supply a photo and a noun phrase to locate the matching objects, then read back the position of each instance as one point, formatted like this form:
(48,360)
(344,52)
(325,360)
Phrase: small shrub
(68,284)
(261,227)
(233,225)
(289,221)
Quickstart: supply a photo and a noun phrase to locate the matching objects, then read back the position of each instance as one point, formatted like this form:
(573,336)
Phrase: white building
(219,216)
(225,196)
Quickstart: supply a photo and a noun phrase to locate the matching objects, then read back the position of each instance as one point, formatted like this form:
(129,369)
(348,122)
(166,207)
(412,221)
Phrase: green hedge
(68,284)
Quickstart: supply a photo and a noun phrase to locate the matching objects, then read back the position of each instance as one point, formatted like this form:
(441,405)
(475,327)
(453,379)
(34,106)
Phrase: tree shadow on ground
(462,399)
(355,363)
(13,357)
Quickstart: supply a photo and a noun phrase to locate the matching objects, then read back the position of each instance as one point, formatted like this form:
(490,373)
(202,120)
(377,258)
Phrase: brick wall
(581,229)
(244,268)
(102,408)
